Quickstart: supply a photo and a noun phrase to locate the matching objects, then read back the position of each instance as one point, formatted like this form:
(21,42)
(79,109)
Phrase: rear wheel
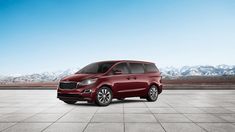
(152,93)
(104,96)
(70,102)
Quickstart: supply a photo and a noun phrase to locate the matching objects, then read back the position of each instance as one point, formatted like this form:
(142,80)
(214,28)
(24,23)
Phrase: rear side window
(151,68)
(122,67)
(136,68)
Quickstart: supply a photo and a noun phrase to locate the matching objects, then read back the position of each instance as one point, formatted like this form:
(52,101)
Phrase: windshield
(94,68)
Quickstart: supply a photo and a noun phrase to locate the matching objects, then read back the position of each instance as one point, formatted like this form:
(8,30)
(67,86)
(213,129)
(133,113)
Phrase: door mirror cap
(117,72)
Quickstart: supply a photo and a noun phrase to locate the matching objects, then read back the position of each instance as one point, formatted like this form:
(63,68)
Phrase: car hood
(79,77)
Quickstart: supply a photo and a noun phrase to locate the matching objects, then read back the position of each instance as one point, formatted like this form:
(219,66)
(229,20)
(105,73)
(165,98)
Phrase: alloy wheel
(153,93)
(104,96)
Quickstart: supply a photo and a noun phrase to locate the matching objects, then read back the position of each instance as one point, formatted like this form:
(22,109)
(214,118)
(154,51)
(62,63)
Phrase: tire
(70,102)
(121,99)
(104,96)
(152,94)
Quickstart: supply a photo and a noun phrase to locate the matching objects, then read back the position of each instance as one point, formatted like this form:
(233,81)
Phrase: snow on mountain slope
(219,70)
(42,77)
(169,72)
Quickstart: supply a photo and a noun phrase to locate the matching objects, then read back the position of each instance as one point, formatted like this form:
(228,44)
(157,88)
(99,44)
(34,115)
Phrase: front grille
(68,85)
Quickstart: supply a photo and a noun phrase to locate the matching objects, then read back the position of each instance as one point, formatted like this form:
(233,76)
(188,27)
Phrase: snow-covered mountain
(169,72)
(219,70)
(38,77)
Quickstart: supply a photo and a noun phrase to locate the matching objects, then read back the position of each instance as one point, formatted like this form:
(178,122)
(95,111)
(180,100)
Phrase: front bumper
(79,94)
(73,97)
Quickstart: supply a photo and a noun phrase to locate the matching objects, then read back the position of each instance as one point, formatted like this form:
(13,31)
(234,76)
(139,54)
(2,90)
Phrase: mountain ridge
(167,72)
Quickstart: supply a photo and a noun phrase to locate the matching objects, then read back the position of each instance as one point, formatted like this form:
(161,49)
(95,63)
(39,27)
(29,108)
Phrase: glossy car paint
(122,85)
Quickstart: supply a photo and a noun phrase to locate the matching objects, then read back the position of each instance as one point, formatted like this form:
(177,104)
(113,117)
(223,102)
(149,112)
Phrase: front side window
(95,68)
(122,68)
(151,67)
(136,68)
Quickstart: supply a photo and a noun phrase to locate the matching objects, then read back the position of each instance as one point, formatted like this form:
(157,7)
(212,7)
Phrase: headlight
(88,82)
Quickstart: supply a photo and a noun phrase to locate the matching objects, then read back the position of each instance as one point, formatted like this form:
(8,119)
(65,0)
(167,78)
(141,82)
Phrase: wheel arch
(105,85)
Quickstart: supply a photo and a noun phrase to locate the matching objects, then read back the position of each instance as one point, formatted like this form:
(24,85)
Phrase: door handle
(134,77)
(128,78)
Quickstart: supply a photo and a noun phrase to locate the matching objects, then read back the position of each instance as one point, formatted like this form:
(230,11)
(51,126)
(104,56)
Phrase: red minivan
(100,82)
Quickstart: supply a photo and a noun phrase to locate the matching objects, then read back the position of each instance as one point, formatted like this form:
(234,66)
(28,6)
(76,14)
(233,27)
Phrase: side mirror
(117,72)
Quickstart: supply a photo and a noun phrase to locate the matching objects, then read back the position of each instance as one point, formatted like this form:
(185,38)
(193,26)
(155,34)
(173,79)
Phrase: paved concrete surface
(175,111)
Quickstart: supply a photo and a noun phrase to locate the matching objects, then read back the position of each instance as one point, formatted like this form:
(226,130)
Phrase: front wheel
(104,96)
(152,93)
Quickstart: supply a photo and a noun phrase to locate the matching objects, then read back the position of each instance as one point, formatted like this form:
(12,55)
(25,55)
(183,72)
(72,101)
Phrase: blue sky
(49,35)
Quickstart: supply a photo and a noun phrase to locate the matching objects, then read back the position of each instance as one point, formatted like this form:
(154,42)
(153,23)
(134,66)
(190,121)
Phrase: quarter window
(136,68)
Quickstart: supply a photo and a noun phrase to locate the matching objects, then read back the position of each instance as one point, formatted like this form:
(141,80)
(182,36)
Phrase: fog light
(87,91)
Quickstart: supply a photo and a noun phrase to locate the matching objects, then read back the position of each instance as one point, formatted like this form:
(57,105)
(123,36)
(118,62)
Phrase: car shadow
(112,103)
(127,101)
